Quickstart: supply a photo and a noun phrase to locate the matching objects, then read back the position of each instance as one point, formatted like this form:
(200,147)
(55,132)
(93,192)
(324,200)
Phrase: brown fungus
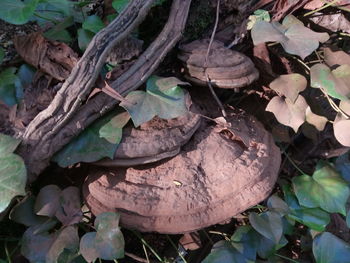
(215,176)
(225,68)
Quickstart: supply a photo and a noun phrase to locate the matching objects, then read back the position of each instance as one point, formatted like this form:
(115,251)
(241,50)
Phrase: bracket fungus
(225,68)
(223,170)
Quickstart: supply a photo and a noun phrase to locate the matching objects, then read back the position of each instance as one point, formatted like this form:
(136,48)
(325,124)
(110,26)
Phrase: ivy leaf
(67,238)
(93,23)
(109,241)
(23,213)
(87,247)
(335,83)
(325,189)
(7,86)
(319,122)
(162,98)
(268,224)
(112,131)
(342,164)
(267,247)
(48,201)
(224,252)
(258,15)
(59,32)
(119,5)
(288,113)
(292,34)
(13,174)
(17,12)
(24,78)
(2,54)
(34,245)
(314,218)
(278,205)
(289,85)
(84,38)
(328,248)
(69,211)
(348,219)
(88,146)
(333,58)
(244,241)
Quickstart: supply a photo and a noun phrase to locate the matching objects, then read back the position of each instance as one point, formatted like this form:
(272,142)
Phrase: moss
(200,17)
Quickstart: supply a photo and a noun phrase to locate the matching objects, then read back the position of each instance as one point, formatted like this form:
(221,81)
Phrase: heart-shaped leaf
(336,83)
(112,131)
(67,238)
(289,85)
(109,240)
(87,247)
(23,213)
(294,37)
(162,98)
(325,189)
(93,23)
(13,174)
(88,146)
(267,247)
(8,79)
(328,248)
(333,58)
(342,164)
(319,122)
(341,129)
(278,205)
(224,252)
(69,211)
(314,218)
(17,12)
(84,38)
(288,113)
(48,201)
(119,5)
(244,241)
(268,224)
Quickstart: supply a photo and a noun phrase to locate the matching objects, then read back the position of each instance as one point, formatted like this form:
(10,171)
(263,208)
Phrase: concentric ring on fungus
(217,174)
(153,141)
(225,68)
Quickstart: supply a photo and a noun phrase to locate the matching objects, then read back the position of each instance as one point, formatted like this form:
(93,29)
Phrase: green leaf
(348,219)
(17,12)
(267,247)
(93,23)
(335,83)
(23,213)
(24,78)
(289,85)
(109,241)
(292,34)
(69,211)
(2,54)
(48,201)
(59,32)
(8,144)
(7,86)
(328,248)
(342,164)
(276,204)
(67,238)
(119,5)
(268,224)
(258,15)
(64,6)
(112,131)
(325,189)
(224,252)
(35,246)
(244,241)
(87,247)
(162,98)
(84,38)
(13,175)
(88,146)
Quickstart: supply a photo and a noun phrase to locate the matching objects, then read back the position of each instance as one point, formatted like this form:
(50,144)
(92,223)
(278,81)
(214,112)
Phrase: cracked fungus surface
(225,68)
(218,174)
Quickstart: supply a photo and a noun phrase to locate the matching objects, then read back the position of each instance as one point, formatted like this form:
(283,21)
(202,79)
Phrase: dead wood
(67,116)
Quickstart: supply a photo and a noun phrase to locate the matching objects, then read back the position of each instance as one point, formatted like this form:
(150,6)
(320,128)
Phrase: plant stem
(321,8)
(174,246)
(147,245)
(292,162)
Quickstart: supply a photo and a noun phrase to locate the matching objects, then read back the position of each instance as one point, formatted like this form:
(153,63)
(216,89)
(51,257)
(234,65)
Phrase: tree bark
(69,113)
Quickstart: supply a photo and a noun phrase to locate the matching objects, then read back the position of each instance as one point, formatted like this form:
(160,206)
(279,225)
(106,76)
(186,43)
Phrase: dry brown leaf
(288,113)
(54,58)
(314,4)
(333,22)
(289,85)
(333,58)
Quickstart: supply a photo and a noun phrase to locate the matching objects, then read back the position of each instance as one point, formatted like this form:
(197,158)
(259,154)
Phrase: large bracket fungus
(222,171)
(224,67)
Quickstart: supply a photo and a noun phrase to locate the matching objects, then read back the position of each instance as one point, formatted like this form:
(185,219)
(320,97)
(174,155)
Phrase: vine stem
(292,162)
(321,8)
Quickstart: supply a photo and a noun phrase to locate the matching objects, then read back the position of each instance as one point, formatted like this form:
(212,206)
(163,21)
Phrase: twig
(321,8)
(206,61)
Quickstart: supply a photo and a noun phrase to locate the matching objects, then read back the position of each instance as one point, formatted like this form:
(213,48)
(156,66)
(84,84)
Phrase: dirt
(212,179)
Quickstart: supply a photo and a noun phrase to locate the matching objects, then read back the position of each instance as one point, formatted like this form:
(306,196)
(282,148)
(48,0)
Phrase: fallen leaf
(336,83)
(55,58)
(333,22)
(289,85)
(295,38)
(288,113)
